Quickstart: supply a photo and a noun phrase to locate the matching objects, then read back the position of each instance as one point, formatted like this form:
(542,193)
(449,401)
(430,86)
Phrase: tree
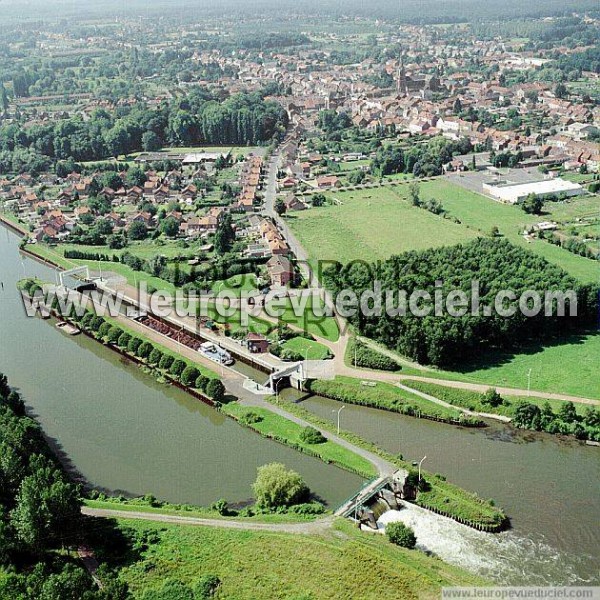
(202,382)
(137,231)
(400,534)
(133,345)
(224,236)
(560,90)
(414,193)
(177,368)
(318,200)
(155,356)
(144,350)
(104,329)
(150,141)
(276,487)
(165,362)
(189,375)
(533,204)
(114,334)
(216,390)
(280,207)
(169,226)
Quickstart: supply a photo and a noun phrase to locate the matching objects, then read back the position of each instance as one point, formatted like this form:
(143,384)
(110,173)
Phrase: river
(123,431)
(549,487)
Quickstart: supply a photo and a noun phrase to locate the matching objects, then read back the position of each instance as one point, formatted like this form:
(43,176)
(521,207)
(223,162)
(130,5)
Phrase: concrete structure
(512,193)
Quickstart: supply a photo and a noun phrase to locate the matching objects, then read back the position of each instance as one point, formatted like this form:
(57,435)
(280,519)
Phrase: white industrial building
(512,193)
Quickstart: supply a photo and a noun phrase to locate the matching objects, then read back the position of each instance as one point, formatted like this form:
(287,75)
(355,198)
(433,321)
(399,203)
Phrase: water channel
(121,429)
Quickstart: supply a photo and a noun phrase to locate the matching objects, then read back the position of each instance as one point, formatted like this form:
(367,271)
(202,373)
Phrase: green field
(277,427)
(377,223)
(342,563)
(569,365)
(372,224)
(310,349)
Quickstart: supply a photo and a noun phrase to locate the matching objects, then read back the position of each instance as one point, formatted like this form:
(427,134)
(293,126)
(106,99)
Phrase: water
(549,487)
(123,431)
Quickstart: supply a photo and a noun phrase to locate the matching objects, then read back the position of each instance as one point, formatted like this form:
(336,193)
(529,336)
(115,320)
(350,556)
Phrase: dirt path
(309,527)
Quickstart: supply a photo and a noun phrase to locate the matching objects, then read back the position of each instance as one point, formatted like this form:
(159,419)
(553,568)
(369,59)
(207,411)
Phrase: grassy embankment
(443,497)
(278,428)
(143,505)
(343,563)
(382,395)
(473,400)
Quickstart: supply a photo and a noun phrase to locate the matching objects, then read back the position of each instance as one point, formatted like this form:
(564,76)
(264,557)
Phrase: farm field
(372,224)
(343,563)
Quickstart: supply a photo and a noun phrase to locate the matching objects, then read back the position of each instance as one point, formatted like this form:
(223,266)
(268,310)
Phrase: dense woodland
(446,340)
(198,118)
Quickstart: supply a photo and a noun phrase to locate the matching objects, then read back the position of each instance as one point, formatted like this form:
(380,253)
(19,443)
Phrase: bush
(189,376)
(310,435)
(104,329)
(250,417)
(492,398)
(401,535)
(205,587)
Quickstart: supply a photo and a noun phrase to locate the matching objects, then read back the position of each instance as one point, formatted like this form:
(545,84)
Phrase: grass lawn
(341,563)
(324,327)
(372,224)
(237,283)
(310,349)
(274,426)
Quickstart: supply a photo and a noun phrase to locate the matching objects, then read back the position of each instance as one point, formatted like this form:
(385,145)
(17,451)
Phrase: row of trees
(445,339)
(565,421)
(179,369)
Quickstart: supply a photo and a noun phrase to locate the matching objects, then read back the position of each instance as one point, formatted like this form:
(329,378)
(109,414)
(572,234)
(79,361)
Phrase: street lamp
(338,418)
(420,463)
(529,382)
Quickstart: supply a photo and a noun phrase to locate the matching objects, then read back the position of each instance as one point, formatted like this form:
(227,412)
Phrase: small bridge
(353,504)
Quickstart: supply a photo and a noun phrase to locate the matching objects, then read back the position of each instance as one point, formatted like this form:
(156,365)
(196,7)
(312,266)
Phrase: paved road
(317,526)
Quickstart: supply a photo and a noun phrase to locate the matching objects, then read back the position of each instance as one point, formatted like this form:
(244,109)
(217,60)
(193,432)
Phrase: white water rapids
(504,558)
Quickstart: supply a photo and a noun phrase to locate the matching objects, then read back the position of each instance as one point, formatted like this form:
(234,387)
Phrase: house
(292,202)
(142,217)
(257,343)
(280,271)
(328,182)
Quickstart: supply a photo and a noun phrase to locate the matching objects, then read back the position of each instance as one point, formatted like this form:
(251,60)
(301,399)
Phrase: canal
(119,428)
(549,487)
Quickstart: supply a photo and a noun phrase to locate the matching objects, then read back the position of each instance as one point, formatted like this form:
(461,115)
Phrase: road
(317,526)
